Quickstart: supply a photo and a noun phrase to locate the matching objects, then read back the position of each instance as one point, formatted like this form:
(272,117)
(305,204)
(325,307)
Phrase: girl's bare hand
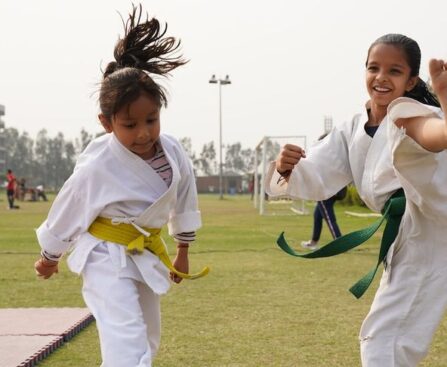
(438,76)
(181,263)
(46,268)
(289,156)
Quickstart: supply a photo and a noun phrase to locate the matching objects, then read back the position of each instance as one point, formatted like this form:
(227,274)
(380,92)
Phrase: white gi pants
(411,299)
(127,312)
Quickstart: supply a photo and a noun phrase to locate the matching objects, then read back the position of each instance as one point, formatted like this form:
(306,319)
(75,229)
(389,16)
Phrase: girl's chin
(384,100)
(144,153)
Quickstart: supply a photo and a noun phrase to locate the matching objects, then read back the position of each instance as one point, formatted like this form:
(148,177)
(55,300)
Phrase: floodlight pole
(220,82)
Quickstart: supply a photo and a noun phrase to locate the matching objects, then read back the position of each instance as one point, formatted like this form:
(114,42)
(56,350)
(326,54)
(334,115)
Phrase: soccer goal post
(266,151)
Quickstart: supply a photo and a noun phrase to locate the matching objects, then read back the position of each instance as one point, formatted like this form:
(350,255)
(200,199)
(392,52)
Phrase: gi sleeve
(70,215)
(422,173)
(324,172)
(185,216)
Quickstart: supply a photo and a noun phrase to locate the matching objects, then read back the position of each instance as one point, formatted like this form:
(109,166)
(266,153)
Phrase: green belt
(392,212)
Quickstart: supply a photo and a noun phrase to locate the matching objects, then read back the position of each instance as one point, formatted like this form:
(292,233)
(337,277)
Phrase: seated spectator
(41,193)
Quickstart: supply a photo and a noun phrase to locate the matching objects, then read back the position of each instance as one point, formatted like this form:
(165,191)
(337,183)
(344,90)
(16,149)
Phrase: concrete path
(28,335)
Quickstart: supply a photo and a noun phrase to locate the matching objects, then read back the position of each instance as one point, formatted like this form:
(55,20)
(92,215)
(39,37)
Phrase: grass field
(257,307)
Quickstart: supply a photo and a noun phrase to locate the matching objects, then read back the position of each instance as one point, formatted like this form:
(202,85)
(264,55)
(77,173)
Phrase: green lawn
(257,307)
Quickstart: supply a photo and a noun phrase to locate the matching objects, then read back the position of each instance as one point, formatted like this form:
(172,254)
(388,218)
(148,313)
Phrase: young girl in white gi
(132,178)
(399,141)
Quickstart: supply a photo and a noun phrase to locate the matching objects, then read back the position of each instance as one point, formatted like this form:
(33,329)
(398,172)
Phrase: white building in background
(2,143)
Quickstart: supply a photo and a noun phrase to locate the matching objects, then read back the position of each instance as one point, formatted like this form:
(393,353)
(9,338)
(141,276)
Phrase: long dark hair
(412,53)
(142,51)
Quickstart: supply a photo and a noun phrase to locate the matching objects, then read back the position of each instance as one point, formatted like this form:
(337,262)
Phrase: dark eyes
(131,125)
(395,71)
(374,69)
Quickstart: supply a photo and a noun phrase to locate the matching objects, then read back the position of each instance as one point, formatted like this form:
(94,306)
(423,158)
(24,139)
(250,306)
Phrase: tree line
(46,160)
(49,161)
(235,160)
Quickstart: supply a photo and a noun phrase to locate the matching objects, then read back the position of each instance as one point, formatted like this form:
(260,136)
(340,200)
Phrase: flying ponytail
(144,50)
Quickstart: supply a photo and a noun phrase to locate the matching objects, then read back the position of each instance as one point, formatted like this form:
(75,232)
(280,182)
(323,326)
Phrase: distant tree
(187,145)
(207,160)
(61,160)
(19,152)
(237,159)
(84,139)
(233,158)
(69,160)
(41,157)
(272,150)
(55,159)
(248,158)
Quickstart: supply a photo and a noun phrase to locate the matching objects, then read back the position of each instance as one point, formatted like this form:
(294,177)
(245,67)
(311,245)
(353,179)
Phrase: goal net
(266,151)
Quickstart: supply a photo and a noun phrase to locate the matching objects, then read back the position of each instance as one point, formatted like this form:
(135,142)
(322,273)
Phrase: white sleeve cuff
(404,107)
(277,186)
(184,222)
(49,243)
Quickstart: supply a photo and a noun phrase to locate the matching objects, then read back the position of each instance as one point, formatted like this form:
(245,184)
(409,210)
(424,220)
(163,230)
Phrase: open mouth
(381,89)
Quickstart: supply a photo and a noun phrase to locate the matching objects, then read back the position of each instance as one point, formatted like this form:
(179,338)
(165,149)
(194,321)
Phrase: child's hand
(46,268)
(438,75)
(290,155)
(181,263)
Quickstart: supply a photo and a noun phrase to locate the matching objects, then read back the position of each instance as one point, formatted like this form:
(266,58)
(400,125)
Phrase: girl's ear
(412,83)
(106,123)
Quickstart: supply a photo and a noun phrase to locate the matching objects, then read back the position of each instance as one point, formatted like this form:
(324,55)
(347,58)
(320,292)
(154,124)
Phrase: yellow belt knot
(136,246)
(135,241)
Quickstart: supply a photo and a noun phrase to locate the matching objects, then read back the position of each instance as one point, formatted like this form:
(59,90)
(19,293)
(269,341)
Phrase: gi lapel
(138,167)
(170,193)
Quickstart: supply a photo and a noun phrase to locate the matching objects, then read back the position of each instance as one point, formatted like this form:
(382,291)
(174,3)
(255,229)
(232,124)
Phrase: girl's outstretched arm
(431,132)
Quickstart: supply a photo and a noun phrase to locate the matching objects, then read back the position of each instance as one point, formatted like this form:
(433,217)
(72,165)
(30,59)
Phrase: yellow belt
(135,241)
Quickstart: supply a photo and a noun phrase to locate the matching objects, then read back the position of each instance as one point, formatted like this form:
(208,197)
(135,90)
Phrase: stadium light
(220,82)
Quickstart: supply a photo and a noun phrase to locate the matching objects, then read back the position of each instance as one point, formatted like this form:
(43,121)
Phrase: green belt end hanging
(393,210)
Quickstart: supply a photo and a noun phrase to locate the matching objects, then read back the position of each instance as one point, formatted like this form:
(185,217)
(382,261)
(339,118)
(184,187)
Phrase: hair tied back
(144,46)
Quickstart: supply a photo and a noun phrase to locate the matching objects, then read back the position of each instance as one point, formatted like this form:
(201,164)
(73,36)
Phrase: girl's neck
(375,115)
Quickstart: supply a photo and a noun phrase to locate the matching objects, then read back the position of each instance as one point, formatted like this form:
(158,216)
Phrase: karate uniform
(412,295)
(122,291)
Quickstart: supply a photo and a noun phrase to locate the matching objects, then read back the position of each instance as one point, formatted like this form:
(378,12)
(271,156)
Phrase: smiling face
(136,126)
(388,74)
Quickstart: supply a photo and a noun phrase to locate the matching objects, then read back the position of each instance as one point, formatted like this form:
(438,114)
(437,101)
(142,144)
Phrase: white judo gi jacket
(412,297)
(374,165)
(112,182)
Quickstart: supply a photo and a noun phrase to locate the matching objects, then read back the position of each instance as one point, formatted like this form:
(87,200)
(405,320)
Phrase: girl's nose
(143,133)
(381,76)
